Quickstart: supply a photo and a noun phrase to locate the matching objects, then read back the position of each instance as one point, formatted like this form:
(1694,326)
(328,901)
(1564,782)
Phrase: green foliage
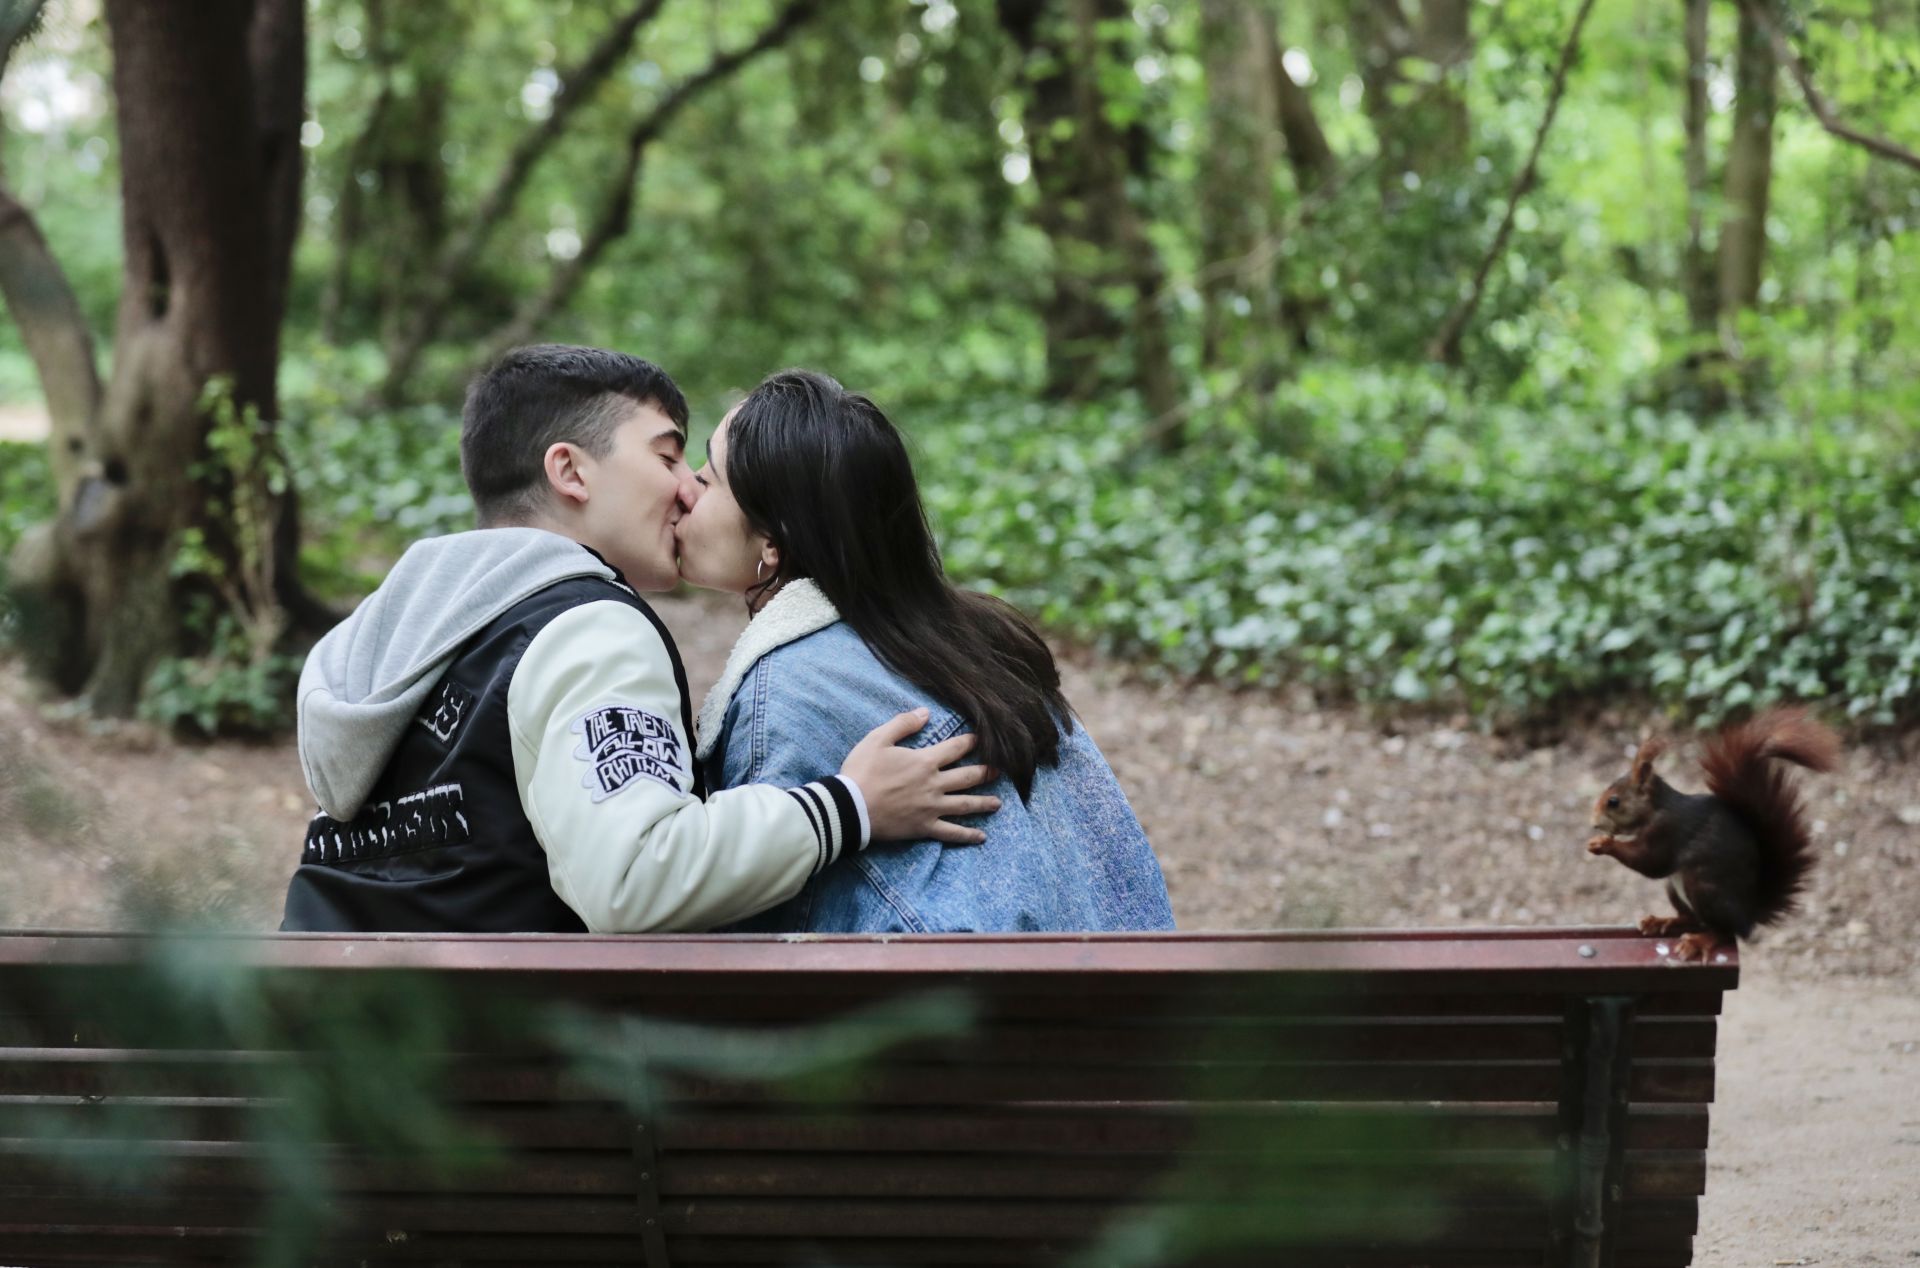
(237,680)
(225,690)
(371,480)
(1400,546)
(1547,524)
(628,1057)
(26,498)
(26,490)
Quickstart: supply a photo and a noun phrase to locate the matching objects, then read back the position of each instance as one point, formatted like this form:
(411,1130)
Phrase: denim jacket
(805,689)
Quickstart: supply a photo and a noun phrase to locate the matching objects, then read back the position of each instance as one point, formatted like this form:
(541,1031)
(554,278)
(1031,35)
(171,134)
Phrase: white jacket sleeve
(605,773)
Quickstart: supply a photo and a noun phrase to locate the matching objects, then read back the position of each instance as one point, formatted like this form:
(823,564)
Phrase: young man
(500,736)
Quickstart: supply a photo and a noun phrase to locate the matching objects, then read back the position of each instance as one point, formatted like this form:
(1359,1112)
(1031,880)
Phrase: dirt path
(1266,813)
(1815,1155)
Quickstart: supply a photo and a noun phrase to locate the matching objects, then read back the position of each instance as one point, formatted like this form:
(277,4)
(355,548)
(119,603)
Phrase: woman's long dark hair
(823,473)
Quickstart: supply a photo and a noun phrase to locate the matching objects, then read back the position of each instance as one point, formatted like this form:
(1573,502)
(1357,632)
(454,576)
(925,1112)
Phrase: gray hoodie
(367,679)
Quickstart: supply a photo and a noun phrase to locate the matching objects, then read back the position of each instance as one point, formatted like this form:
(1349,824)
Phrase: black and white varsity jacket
(546,784)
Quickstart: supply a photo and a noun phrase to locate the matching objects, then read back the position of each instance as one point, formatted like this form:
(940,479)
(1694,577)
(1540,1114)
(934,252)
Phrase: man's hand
(908,793)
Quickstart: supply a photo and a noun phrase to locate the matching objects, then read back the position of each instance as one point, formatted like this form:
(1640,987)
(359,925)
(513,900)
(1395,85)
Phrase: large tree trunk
(210,203)
(1083,166)
(1749,174)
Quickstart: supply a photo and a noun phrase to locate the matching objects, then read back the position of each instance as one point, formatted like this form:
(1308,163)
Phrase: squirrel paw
(1665,926)
(1598,842)
(1698,946)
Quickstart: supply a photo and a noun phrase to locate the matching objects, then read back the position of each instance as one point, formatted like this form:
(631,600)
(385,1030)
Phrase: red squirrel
(1734,856)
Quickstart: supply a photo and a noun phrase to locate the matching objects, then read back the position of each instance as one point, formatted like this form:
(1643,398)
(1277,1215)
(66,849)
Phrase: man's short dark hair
(536,396)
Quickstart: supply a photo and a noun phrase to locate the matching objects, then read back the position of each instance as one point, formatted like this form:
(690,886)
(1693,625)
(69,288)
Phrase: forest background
(1434,354)
(1439,357)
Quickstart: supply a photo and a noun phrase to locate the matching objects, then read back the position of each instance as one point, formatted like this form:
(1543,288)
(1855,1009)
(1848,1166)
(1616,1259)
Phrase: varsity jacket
(499,740)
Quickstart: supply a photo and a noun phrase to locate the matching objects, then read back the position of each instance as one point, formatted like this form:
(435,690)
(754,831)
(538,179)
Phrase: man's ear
(564,476)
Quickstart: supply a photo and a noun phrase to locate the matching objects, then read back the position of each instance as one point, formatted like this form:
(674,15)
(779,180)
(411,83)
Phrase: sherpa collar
(797,610)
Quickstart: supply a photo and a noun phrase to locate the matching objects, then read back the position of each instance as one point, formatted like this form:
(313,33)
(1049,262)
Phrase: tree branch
(1823,109)
(464,248)
(1445,346)
(615,216)
(44,307)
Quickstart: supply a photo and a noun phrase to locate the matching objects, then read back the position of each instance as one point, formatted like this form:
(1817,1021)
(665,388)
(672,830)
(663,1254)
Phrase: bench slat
(162,1247)
(106,1072)
(199,1165)
(62,1027)
(1386,1218)
(1056,1129)
(1232,1039)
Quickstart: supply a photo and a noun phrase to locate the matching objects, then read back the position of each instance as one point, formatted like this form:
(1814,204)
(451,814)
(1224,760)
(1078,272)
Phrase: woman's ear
(770,556)
(564,476)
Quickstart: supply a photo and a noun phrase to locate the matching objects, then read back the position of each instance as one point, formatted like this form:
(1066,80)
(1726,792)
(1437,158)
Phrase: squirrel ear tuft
(1650,750)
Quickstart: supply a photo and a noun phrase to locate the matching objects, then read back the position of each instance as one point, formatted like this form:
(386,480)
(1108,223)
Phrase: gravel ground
(1266,812)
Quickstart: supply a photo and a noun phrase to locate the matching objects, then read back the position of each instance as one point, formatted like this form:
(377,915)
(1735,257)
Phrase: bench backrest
(1384,1097)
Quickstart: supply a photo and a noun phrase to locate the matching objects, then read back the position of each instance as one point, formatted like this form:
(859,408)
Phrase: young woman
(809,509)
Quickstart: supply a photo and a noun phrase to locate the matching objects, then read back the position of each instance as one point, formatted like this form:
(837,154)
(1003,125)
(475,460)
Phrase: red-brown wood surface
(1499,959)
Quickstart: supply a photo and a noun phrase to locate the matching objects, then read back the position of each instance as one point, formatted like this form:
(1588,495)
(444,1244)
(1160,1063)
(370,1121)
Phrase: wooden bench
(1434,1097)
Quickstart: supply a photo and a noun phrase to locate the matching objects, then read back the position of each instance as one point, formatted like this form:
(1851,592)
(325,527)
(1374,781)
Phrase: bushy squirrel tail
(1740,772)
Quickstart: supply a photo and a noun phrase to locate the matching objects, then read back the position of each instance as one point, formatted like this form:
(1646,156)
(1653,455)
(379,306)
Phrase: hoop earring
(759,566)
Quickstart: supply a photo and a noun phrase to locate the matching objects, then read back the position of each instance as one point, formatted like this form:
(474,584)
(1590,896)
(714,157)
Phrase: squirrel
(1733,857)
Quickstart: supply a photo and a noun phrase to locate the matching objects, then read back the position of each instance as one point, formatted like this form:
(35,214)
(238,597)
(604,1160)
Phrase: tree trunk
(1080,328)
(1417,138)
(1749,175)
(1308,153)
(1236,186)
(1083,166)
(1445,39)
(210,203)
(1699,280)
(1697,266)
(393,228)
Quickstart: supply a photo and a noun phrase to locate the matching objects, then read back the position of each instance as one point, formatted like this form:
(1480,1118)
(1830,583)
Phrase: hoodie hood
(364,683)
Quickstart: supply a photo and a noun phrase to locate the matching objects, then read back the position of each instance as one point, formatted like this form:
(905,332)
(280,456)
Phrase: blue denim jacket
(1072,857)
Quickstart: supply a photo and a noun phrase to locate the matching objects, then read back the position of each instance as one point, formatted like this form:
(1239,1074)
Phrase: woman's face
(718,549)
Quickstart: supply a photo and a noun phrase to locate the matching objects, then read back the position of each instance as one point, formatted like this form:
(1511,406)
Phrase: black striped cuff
(834,814)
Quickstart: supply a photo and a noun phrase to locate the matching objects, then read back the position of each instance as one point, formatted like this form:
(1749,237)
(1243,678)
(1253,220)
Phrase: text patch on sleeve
(621,743)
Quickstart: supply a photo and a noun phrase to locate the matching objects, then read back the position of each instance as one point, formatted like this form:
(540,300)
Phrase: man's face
(637,493)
